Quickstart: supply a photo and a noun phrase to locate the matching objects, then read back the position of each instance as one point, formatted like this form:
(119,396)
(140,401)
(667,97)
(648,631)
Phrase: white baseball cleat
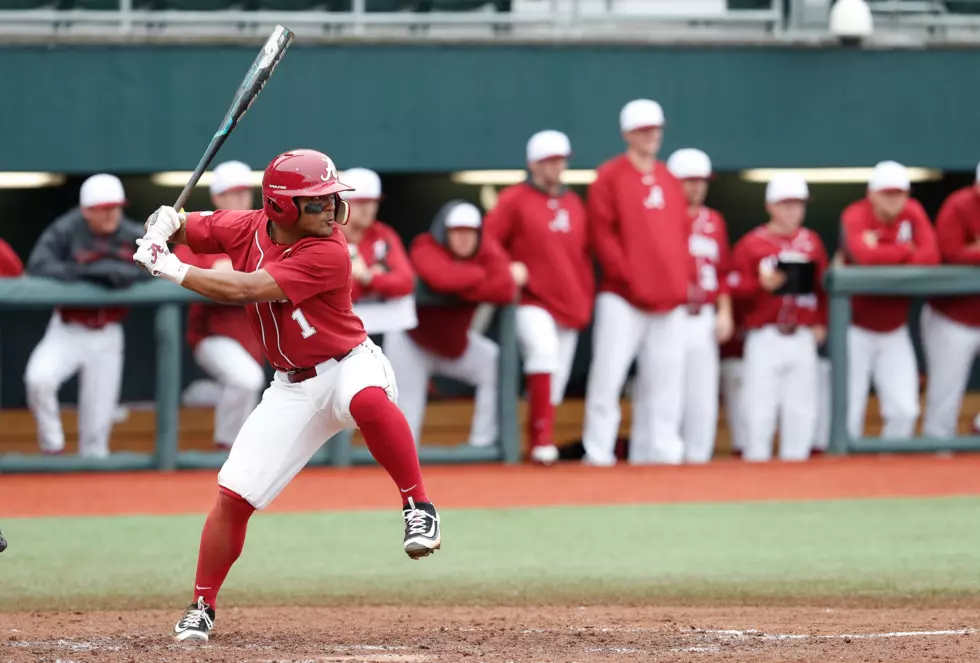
(544,454)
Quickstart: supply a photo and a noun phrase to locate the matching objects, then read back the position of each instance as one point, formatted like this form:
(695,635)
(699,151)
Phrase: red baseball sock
(389,439)
(221,543)
(541,415)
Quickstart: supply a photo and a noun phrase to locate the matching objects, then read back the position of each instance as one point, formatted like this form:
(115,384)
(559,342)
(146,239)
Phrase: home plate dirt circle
(588,634)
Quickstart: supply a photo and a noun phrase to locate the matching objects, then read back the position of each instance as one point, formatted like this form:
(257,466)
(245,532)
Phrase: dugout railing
(845,282)
(167,299)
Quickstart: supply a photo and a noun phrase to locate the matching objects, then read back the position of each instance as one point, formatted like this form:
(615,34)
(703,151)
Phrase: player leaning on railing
(293,274)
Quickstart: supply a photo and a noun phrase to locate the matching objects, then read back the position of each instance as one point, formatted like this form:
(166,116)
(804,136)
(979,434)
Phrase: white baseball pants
(546,347)
(733,390)
(240,379)
(886,360)
(656,340)
(699,423)
(780,382)
(292,421)
(821,437)
(477,367)
(66,349)
(950,348)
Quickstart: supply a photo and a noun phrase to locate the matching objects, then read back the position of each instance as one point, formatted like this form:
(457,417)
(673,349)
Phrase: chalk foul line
(759,635)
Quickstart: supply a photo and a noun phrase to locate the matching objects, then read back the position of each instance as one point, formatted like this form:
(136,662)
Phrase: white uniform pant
(292,422)
(546,347)
(950,348)
(656,340)
(780,382)
(66,349)
(733,390)
(887,360)
(821,437)
(699,423)
(240,379)
(477,367)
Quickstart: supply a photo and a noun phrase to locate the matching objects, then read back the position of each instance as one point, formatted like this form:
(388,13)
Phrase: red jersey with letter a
(10,263)
(958,229)
(910,240)
(316,321)
(640,233)
(381,246)
(761,308)
(204,320)
(549,235)
(708,245)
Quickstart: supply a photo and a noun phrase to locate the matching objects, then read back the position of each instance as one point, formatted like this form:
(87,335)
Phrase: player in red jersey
(292,272)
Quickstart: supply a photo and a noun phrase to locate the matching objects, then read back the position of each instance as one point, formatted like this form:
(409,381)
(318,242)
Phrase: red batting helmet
(300,173)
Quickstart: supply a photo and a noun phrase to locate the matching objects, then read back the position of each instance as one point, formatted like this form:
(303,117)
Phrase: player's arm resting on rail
(499,286)
(399,279)
(926,250)
(863,252)
(604,231)
(957,244)
(442,272)
(51,255)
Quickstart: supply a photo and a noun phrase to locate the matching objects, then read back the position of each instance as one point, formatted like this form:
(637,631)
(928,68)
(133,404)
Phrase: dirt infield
(584,635)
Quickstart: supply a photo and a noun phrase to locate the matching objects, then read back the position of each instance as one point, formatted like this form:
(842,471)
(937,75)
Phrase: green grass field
(864,550)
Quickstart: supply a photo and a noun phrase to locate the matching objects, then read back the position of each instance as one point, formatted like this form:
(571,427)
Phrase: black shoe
(422,533)
(3,542)
(197,622)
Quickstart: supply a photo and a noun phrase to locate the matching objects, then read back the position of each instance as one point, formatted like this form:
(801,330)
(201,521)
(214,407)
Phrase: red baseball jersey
(958,230)
(204,320)
(381,246)
(760,307)
(910,240)
(10,263)
(316,321)
(549,235)
(484,278)
(708,245)
(640,233)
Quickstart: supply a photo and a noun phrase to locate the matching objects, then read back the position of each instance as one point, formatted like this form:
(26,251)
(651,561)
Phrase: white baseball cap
(689,163)
(366,183)
(464,215)
(102,190)
(547,144)
(230,175)
(787,186)
(889,176)
(639,114)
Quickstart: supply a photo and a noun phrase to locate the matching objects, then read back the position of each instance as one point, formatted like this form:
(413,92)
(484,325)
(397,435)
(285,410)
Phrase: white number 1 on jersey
(304,326)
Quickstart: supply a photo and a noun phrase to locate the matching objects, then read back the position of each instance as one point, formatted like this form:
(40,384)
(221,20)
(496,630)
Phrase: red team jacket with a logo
(763,308)
(204,320)
(640,234)
(910,240)
(958,229)
(382,246)
(550,236)
(316,321)
(708,246)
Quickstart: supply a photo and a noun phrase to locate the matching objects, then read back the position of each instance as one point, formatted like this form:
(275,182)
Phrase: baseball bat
(255,79)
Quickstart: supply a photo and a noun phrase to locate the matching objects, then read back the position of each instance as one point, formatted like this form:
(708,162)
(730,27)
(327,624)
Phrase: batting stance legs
(886,359)
(66,349)
(240,378)
(621,334)
(949,348)
(477,367)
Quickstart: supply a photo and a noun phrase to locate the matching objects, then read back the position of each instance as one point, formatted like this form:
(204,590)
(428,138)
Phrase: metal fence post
(840,321)
(168,385)
(507,387)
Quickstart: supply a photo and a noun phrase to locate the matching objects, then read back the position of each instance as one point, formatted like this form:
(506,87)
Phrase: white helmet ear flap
(342,213)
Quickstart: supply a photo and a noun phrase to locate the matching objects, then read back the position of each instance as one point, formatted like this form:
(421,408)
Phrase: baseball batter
(784,330)
(638,217)
(293,275)
(951,325)
(541,225)
(709,306)
(218,334)
(92,243)
(885,228)
(455,259)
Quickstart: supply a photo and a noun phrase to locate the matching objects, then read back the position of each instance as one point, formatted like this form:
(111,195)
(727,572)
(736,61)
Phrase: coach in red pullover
(951,325)
(453,260)
(638,216)
(885,228)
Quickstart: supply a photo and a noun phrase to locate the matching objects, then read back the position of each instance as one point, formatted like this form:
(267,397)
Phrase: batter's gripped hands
(154,256)
(724,327)
(819,333)
(518,271)
(163,223)
(771,279)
